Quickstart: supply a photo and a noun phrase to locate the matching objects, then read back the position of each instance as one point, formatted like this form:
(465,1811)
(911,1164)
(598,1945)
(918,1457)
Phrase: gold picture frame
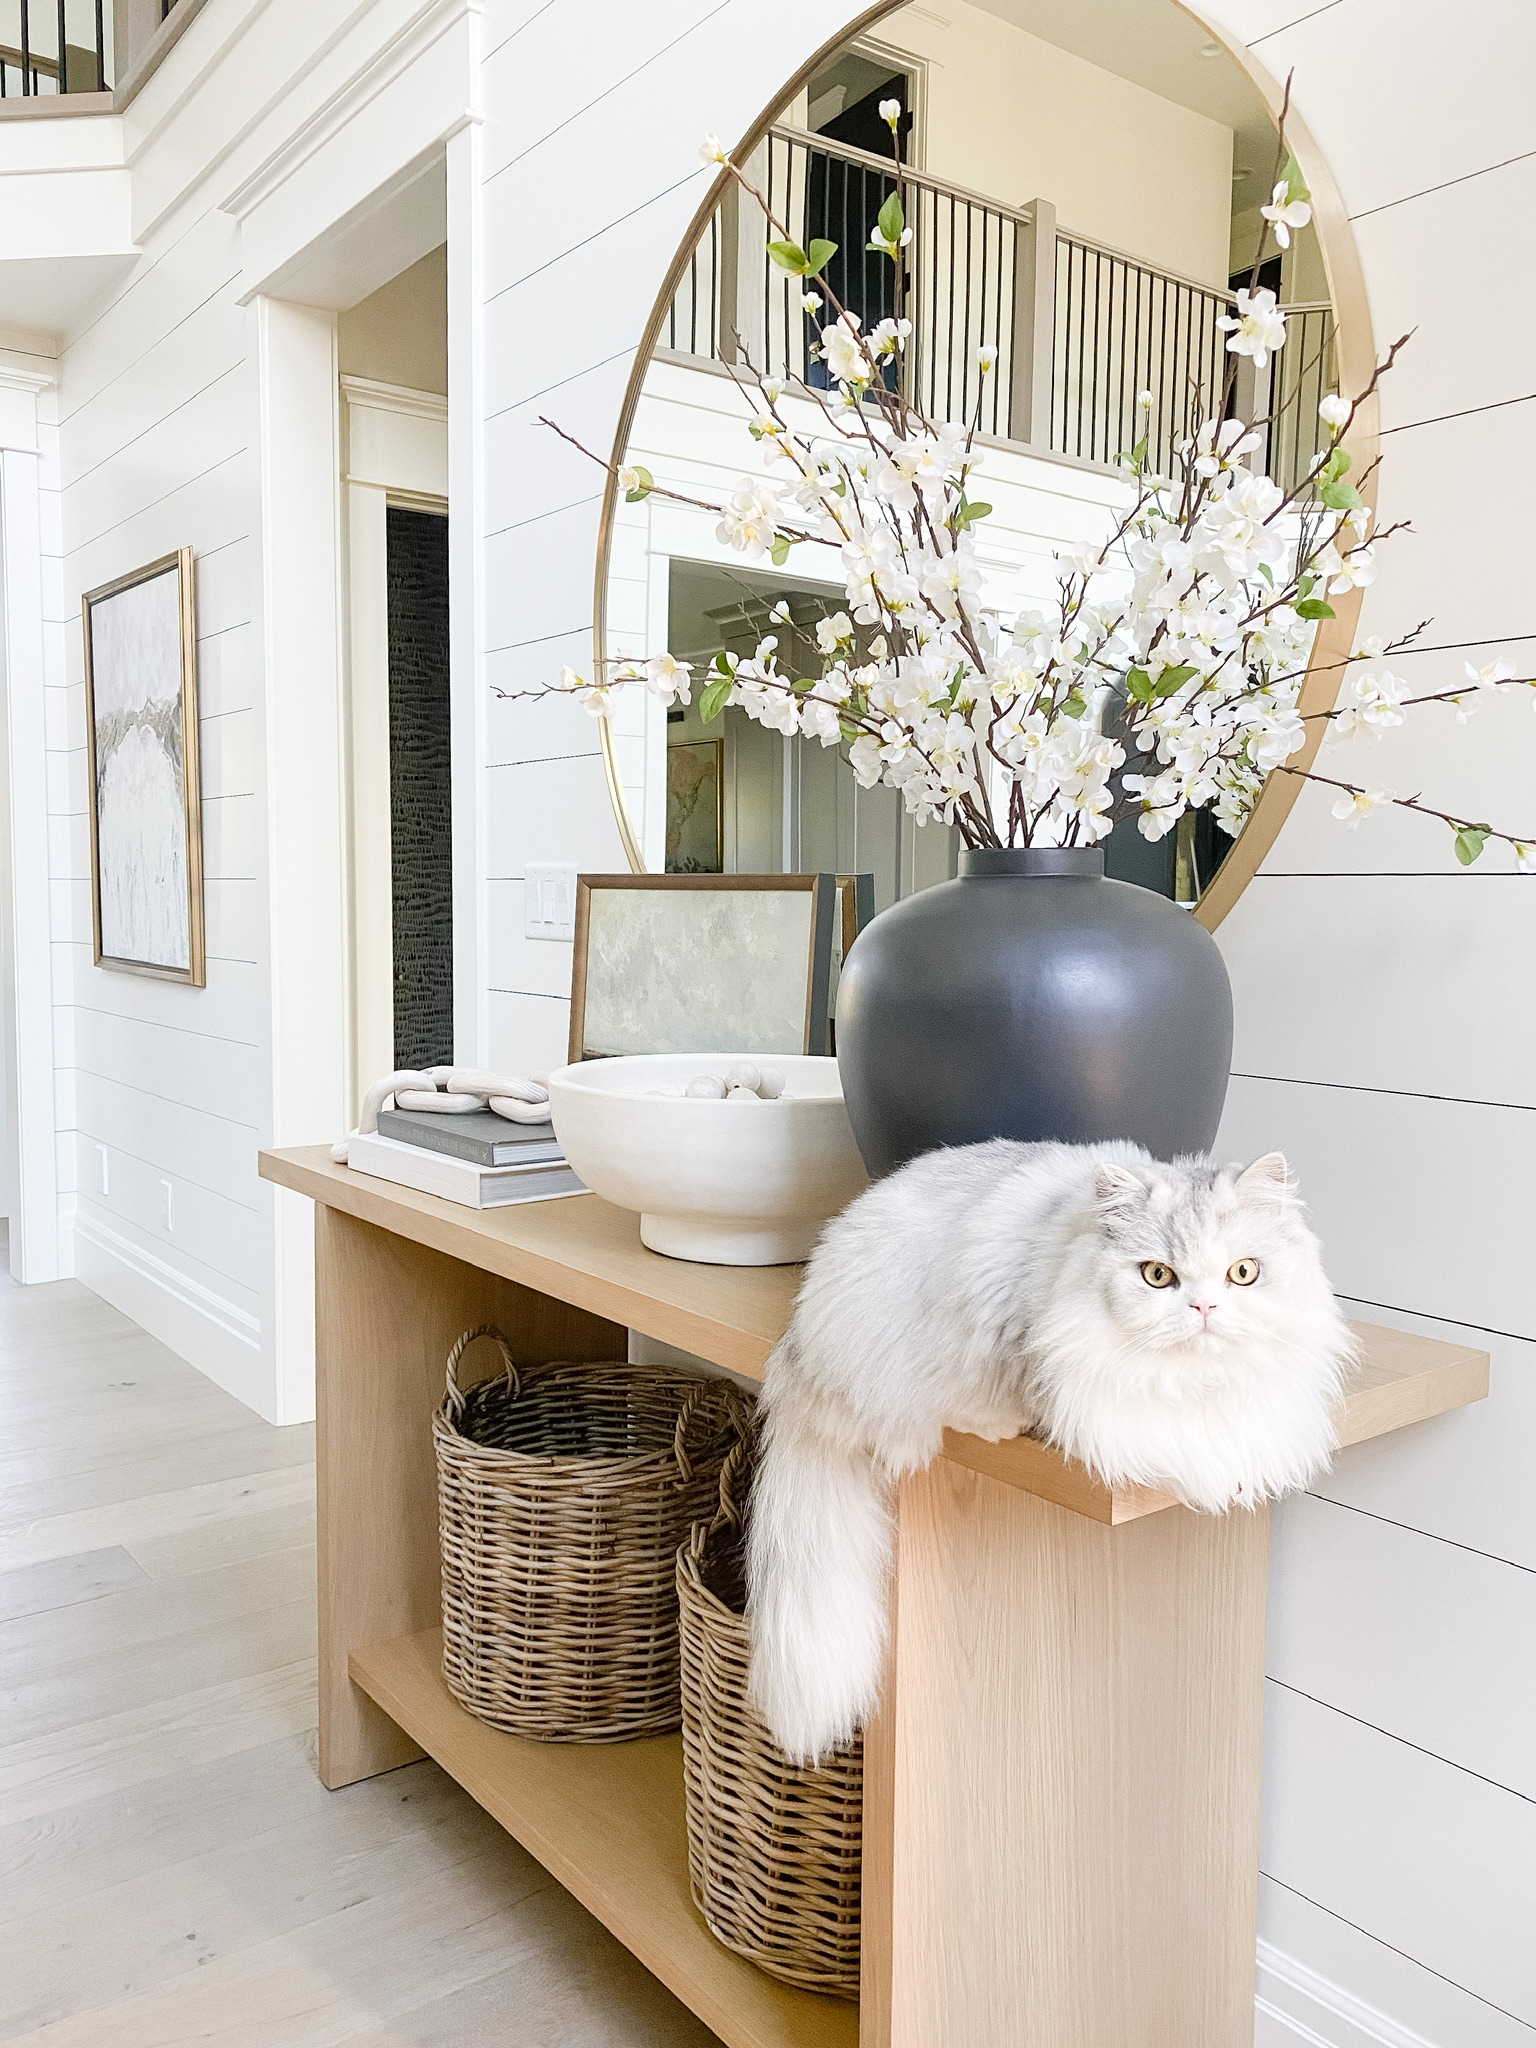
(633,982)
(695,820)
(141,753)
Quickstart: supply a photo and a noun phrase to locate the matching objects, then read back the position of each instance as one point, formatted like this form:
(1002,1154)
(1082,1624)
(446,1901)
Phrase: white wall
(1019,119)
(1384,998)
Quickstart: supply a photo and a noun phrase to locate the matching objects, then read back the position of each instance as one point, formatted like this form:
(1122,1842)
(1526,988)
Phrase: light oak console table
(1062,1784)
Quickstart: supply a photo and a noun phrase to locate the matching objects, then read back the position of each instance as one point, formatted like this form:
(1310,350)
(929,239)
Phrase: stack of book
(477,1158)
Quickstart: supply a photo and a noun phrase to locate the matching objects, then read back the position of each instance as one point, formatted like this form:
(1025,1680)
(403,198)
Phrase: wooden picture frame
(599,903)
(141,753)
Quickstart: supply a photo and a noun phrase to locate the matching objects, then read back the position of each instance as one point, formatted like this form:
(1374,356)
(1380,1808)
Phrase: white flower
(888,336)
(1525,858)
(1257,328)
(1219,444)
(713,151)
(779,613)
(1354,569)
(1374,704)
(1334,411)
(772,389)
(1144,401)
(629,479)
(820,720)
(1284,213)
(843,351)
(890,114)
(864,759)
(834,632)
(1493,677)
(986,358)
(749,520)
(1354,804)
(667,679)
(891,245)
(811,301)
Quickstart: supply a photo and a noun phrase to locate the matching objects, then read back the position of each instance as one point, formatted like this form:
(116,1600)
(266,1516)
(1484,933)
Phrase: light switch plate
(549,900)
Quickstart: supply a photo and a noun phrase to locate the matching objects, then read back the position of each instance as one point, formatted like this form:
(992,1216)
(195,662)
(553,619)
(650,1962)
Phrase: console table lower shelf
(606,1819)
(1061,1784)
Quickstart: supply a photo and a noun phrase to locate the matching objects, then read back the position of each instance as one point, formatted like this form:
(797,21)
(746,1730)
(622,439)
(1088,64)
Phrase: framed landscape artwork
(141,760)
(696,807)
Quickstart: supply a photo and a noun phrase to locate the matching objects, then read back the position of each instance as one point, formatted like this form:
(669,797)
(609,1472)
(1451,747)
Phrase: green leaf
(1338,465)
(712,699)
(1314,608)
(1306,586)
(1074,706)
(1172,679)
(850,732)
(780,549)
(645,484)
(1295,184)
(723,662)
(819,255)
(969,513)
(1138,685)
(1340,497)
(791,257)
(1470,841)
(891,221)
(1139,453)
(1267,573)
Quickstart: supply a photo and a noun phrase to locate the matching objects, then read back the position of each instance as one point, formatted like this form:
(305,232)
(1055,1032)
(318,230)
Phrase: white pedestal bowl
(727,1183)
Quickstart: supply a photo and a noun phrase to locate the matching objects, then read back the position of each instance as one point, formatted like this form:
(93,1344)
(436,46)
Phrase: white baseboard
(1296,2008)
(214,1334)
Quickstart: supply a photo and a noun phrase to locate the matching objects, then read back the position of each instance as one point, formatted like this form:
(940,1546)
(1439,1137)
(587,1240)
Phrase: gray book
(480,1136)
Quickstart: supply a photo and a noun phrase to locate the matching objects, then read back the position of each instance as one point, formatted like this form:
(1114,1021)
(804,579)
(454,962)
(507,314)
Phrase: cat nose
(1202,1307)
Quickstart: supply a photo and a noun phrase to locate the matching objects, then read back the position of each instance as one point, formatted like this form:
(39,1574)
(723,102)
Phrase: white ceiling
(1155,44)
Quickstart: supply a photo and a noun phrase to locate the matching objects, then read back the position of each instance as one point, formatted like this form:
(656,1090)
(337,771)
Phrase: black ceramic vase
(1033,998)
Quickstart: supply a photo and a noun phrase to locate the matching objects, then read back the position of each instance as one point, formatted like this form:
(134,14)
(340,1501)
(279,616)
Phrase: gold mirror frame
(1356,357)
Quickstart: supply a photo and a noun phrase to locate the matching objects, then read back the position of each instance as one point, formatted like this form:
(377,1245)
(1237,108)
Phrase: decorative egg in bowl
(739,1178)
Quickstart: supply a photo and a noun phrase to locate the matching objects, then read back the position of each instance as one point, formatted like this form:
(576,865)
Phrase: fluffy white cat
(1168,1325)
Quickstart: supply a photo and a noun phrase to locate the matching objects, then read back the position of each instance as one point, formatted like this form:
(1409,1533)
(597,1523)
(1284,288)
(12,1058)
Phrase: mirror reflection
(1082,179)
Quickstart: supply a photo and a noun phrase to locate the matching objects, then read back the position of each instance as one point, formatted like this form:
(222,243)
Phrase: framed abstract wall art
(141,760)
(701,963)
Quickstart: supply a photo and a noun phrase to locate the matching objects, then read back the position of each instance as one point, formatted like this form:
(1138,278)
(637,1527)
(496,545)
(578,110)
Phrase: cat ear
(1268,1178)
(1116,1188)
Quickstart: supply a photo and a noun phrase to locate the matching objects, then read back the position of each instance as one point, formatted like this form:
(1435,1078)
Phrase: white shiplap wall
(1384,1003)
(1383,994)
(165,1081)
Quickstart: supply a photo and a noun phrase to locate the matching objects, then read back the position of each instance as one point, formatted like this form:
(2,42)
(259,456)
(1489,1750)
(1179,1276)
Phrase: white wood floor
(171,1870)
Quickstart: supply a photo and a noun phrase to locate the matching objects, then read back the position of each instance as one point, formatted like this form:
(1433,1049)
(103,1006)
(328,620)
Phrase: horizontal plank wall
(189,403)
(1384,997)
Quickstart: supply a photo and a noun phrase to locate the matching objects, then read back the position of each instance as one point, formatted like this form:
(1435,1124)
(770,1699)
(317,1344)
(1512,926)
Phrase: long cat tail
(818,1569)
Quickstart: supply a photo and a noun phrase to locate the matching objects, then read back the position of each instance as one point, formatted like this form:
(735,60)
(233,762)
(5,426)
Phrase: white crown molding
(13,378)
(396,398)
(427,26)
(1351,2022)
(201,1300)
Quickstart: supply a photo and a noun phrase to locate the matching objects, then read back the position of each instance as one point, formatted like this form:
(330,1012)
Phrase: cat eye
(1243,1272)
(1156,1274)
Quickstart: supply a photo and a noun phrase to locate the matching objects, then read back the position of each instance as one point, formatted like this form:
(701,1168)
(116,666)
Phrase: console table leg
(387,1312)
(1062,1785)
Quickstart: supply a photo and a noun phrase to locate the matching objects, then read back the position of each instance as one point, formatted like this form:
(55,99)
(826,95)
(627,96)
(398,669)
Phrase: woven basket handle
(456,1395)
(692,1401)
(728,1514)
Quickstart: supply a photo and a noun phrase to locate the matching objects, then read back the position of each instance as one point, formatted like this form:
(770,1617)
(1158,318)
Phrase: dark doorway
(420,787)
(843,201)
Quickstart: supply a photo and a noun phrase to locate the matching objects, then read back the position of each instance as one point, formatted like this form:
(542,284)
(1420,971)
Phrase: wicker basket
(563,1493)
(773,1849)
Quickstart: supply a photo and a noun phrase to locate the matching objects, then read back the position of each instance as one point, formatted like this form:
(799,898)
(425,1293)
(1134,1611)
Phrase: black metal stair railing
(60,46)
(1077,332)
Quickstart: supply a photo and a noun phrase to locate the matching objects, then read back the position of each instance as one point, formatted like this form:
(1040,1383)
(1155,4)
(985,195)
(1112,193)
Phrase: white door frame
(395,443)
(26,952)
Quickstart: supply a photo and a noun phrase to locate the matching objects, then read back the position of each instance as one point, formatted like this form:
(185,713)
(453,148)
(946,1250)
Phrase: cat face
(1204,1259)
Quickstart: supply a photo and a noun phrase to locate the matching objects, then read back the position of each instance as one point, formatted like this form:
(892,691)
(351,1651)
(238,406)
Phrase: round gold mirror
(1082,181)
